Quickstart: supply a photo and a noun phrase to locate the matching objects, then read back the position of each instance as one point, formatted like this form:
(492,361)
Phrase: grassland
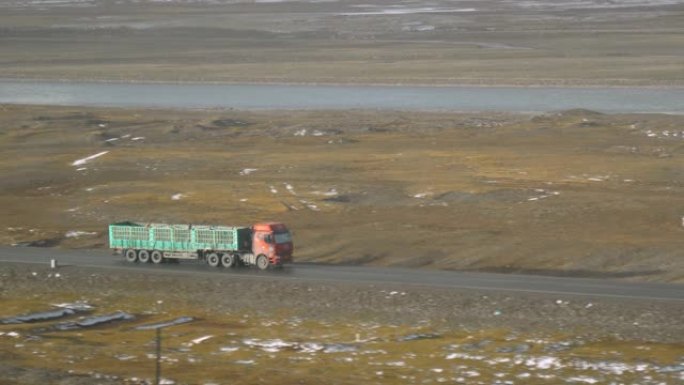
(575,193)
(249,331)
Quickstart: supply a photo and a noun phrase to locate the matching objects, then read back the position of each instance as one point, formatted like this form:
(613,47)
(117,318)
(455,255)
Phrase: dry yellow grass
(245,348)
(573,194)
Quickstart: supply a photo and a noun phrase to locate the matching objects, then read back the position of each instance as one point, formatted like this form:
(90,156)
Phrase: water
(514,99)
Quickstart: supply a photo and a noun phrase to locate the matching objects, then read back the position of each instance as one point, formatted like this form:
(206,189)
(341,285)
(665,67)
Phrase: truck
(264,245)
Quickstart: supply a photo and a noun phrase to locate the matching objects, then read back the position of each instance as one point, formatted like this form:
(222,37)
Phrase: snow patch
(229,349)
(408,11)
(544,362)
(464,356)
(85,160)
(198,340)
(271,346)
(583,379)
(76,234)
(78,306)
(248,171)
(290,188)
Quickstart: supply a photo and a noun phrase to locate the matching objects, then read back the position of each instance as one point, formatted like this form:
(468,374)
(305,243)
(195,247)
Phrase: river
(321,97)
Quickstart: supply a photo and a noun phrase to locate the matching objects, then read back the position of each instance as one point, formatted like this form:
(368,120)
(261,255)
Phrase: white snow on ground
(301,132)
(76,234)
(75,305)
(310,347)
(245,362)
(665,134)
(395,363)
(583,379)
(271,346)
(229,349)
(464,356)
(290,188)
(589,4)
(339,348)
(330,193)
(248,171)
(309,205)
(273,189)
(543,194)
(615,368)
(407,11)
(198,340)
(544,362)
(138,138)
(85,160)
(177,197)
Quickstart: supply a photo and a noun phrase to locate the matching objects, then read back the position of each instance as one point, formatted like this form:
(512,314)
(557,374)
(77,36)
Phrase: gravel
(584,317)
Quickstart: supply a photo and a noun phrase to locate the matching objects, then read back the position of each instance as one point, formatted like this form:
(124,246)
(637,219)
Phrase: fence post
(158,372)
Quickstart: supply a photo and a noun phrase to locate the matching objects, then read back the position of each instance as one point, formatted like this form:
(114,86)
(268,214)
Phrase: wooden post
(158,372)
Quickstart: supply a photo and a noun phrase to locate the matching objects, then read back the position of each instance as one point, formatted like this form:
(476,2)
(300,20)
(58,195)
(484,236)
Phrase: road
(102,258)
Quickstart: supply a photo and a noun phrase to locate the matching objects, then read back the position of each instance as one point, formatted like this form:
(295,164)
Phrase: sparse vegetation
(574,193)
(294,332)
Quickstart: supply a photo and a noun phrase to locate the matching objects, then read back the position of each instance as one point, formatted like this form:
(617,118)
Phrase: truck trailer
(262,245)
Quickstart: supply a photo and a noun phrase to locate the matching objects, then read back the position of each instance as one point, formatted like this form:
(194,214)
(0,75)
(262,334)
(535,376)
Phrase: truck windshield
(283,237)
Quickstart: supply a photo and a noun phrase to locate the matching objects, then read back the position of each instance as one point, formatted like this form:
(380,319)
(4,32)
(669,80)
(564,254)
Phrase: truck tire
(213,260)
(144,256)
(156,257)
(131,255)
(262,262)
(227,260)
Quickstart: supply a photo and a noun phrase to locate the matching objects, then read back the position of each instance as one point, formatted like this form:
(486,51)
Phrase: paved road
(360,274)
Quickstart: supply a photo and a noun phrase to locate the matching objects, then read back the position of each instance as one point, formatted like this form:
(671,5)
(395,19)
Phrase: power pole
(158,375)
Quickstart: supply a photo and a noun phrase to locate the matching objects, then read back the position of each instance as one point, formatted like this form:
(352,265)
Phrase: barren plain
(595,42)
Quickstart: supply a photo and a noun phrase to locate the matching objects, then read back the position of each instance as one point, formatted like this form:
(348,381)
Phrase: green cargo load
(178,238)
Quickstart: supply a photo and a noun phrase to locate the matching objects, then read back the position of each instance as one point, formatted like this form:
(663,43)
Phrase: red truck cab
(273,240)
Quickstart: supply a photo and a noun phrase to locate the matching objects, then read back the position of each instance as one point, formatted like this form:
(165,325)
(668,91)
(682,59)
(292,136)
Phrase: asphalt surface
(103,258)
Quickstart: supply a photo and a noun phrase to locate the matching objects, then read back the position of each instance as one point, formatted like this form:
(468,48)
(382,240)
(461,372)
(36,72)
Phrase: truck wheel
(143,256)
(213,260)
(227,260)
(131,255)
(262,262)
(157,257)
